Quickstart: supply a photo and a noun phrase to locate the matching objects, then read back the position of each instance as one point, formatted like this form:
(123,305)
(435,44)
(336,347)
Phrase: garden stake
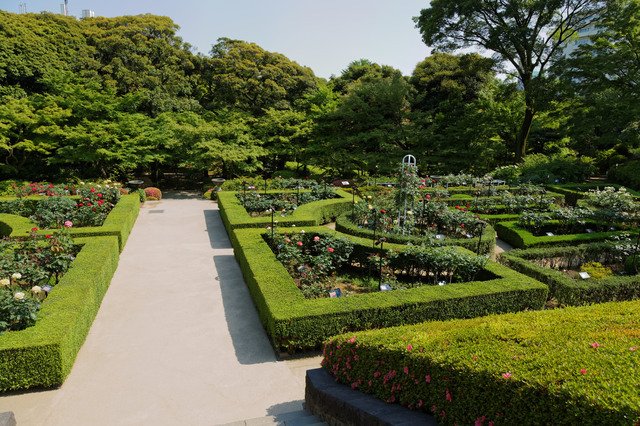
(353,203)
(375,225)
(381,242)
(272,211)
(244,191)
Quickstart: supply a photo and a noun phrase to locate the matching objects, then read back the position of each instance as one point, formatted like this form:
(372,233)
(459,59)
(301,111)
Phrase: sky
(325,35)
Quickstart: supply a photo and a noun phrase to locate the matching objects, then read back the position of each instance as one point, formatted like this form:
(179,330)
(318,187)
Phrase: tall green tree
(604,77)
(525,34)
(244,76)
(369,126)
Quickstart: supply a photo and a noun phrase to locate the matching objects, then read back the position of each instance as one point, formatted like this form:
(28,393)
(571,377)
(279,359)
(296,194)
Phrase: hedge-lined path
(177,340)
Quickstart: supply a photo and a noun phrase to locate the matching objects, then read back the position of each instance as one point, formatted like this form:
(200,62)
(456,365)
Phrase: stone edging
(338,404)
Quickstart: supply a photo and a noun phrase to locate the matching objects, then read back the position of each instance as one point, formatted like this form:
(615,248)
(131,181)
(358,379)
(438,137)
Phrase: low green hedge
(344,225)
(119,222)
(573,366)
(519,237)
(42,355)
(234,215)
(569,291)
(295,323)
(575,191)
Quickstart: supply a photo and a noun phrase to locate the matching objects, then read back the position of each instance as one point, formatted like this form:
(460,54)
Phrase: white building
(583,38)
(88,13)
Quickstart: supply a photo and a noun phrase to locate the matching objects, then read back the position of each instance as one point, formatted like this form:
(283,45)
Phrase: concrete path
(177,340)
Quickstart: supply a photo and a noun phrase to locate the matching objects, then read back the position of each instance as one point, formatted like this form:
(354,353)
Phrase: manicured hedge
(519,237)
(119,222)
(568,291)
(42,355)
(344,225)
(295,323)
(575,191)
(234,215)
(573,366)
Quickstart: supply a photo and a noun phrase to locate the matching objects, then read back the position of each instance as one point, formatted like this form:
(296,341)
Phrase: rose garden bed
(295,323)
(42,355)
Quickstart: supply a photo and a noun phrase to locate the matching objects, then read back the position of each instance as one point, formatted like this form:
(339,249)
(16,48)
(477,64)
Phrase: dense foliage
(116,97)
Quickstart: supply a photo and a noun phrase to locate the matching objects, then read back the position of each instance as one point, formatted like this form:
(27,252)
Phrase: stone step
(294,418)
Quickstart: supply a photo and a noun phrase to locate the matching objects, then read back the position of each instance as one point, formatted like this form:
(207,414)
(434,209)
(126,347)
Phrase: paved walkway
(177,340)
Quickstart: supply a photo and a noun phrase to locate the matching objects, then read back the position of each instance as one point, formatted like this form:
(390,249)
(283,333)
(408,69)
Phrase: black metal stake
(381,241)
(375,225)
(272,212)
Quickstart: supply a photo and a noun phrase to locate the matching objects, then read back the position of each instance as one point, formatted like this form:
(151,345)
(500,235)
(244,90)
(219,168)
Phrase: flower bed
(42,355)
(295,323)
(235,215)
(547,264)
(324,263)
(571,366)
(30,268)
(118,222)
(518,237)
(486,244)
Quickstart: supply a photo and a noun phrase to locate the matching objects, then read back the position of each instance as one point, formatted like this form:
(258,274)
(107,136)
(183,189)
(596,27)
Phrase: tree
(604,75)
(368,127)
(244,76)
(527,34)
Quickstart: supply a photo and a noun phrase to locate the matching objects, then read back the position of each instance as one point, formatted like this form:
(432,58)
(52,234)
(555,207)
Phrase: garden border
(569,366)
(119,222)
(487,245)
(294,322)
(43,355)
(568,291)
(518,237)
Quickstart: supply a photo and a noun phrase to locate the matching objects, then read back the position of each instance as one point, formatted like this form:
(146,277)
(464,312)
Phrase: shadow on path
(215,228)
(250,341)
(181,195)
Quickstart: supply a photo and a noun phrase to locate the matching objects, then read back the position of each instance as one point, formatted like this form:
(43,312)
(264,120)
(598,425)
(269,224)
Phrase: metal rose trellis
(408,183)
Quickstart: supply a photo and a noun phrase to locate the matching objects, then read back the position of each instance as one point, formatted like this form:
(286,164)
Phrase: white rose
(5,282)
(19,295)
(36,289)
(16,276)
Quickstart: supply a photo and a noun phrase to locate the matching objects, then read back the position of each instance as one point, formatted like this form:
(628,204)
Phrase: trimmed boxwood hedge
(234,216)
(119,222)
(573,366)
(519,237)
(572,194)
(568,291)
(344,225)
(42,355)
(295,323)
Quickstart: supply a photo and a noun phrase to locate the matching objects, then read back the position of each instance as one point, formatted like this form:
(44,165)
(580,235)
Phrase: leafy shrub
(573,366)
(596,270)
(564,167)
(629,174)
(141,194)
(153,193)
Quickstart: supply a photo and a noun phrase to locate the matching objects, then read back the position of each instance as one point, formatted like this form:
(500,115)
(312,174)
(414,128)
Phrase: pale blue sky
(324,35)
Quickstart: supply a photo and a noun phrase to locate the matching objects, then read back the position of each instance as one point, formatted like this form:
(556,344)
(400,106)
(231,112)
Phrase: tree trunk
(525,128)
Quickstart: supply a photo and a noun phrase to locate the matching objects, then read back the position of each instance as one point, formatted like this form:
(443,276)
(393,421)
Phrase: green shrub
(576,366)
(628,174)
(596,270)
(563,167)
